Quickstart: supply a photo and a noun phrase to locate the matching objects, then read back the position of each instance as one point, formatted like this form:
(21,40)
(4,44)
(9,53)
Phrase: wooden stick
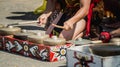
(58,26)
(25,22)
(28,22)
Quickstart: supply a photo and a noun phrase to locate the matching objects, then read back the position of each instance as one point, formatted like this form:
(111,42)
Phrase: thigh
(79,28)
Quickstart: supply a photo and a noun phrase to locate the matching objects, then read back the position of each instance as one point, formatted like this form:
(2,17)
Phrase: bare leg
(78,36)
(79,28)
(76,32)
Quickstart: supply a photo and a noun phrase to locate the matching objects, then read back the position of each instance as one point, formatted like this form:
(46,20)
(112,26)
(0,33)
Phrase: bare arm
(115,33)
(49,8)
(81,13)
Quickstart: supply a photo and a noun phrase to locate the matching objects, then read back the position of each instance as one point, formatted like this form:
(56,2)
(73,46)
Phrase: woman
(73,20)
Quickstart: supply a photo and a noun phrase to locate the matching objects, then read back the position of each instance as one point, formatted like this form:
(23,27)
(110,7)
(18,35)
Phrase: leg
(76,32)
(79,28)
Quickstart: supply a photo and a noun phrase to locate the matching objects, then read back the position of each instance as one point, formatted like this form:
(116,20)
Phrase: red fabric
(89,17)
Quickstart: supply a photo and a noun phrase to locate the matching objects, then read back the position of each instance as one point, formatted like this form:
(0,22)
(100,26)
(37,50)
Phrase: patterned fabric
(51,18)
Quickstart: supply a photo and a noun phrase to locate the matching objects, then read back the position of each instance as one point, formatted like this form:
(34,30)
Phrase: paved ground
(13,11)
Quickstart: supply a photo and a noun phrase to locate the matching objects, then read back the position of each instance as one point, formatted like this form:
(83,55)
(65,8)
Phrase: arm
(115,33)
(49,8)
(80,14)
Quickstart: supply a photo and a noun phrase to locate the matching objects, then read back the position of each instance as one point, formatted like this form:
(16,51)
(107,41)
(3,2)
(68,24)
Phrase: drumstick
(58,26)
(28,22)
(25,22)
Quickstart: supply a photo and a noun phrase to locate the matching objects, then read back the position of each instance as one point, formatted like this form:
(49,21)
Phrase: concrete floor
(13,11)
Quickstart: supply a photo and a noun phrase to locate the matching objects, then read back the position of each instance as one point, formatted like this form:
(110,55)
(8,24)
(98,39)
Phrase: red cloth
(92,5)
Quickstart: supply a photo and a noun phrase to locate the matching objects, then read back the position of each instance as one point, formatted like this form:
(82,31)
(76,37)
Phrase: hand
(42,19)
(68,26)
(115,32)
(65,27)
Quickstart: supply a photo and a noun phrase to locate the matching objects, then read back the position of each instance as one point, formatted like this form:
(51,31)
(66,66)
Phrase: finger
(58,26)
(41,21)
(67,26)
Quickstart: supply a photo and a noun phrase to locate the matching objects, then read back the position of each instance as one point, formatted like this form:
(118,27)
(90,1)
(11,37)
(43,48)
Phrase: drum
(1,26)
(10,30)
(105,49)
(54,40)
(23,35)
(38,37)
(115,41)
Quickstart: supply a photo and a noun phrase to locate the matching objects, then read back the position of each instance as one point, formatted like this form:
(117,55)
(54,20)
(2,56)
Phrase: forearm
(82,12)
(115,33)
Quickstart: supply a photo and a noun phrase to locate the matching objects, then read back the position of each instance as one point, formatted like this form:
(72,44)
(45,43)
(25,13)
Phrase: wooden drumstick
(58,26)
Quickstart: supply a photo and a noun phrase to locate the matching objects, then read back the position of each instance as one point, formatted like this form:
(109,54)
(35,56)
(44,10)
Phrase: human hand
(68,26)
(65,27)
(115,32)
(42,19)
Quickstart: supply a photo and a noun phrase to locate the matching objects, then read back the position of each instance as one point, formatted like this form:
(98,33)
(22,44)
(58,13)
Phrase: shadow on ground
(27,27)
(23,16)
(63,66)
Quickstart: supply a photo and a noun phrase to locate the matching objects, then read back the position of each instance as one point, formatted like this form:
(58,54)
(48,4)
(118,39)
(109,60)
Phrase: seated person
(73,20)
